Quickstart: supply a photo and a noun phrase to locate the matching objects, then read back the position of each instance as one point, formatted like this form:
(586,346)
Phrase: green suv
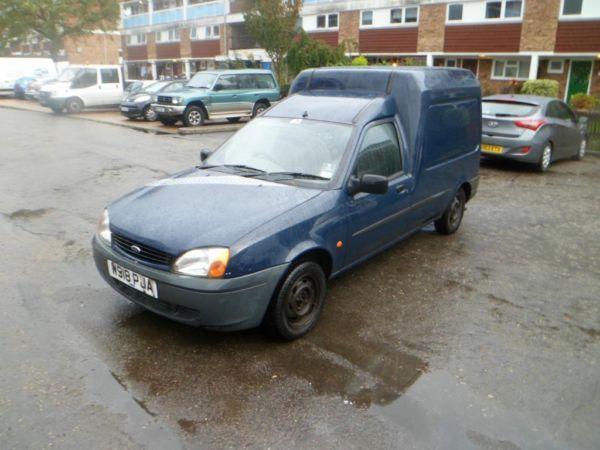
(221,94)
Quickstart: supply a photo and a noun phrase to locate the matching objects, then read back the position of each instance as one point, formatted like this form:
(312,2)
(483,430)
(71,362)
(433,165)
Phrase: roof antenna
(305,114)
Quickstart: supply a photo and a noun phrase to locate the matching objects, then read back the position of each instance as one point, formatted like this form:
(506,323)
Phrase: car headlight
(143,98)
(203,262)
(176,100)
(104,228)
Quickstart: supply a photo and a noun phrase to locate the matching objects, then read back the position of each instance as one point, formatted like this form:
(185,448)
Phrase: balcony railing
(173,15)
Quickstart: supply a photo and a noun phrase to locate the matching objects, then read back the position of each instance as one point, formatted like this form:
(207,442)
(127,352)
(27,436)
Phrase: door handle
(401,189)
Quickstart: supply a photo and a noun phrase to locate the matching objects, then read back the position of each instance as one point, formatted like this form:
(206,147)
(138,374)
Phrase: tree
(272,24)
(56,20)
(306,52)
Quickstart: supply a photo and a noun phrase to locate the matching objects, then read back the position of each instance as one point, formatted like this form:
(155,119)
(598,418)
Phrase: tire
(582,149)
(259,108)
(233,119)
(168,121)
(74,105)
(149,114)
(194,117)
(452,217)
(296,307)
(545,158)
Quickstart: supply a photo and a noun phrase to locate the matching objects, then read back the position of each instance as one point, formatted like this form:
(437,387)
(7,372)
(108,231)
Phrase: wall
(431,28)
(101,48)
(349,23)
(540,22)
(560,77)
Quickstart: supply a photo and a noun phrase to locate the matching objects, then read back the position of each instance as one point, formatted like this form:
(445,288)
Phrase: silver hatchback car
(531,129)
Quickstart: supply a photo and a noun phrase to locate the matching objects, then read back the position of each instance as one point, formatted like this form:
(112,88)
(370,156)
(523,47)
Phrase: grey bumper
(168,110)
(225,304)
(514,148)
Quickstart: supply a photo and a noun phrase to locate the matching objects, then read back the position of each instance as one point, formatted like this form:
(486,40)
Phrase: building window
(453,62)
(411,15)
(493,10)
(167,4)
(205,33)
(136,39)
(171,35)
(503,9)
(572,7)
(332,20)
(396,15)
(556,66)
(134,8)
(366,18)
(510,69)
(321,21)
(512,8)
(455,11)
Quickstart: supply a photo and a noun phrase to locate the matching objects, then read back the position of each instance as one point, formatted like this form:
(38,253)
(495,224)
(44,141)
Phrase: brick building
(502,41)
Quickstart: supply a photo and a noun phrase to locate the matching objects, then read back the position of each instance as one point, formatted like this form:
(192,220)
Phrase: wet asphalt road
(486,339)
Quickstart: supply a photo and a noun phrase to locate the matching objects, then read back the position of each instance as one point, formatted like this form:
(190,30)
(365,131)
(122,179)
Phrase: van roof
(237,71)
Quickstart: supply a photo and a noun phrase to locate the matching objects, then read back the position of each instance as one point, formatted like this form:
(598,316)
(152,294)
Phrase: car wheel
(452,217)
(259,108)
(582,150)
(545,158)
(168,121)
(233,119)
(193,116)
(296,307)
(74,106)
(149,114)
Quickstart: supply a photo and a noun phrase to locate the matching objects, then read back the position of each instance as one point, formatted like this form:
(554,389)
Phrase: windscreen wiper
(240,167)
(308,176)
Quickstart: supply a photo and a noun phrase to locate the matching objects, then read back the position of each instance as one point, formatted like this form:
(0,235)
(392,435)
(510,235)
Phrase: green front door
(579,79)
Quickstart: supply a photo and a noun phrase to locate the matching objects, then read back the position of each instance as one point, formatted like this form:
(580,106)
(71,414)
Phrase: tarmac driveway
(489,338)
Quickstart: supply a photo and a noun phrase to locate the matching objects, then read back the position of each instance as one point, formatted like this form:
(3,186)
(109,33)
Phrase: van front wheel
(74,105)
(452,217)
(193,116)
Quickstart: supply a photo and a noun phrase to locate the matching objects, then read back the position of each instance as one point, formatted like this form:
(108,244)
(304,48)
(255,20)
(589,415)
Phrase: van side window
(109,75)
(452,130)
(228,82)
(379,152)
(85,78)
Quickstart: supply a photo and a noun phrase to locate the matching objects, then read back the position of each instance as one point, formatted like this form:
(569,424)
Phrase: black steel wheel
(452,217)
(296,307)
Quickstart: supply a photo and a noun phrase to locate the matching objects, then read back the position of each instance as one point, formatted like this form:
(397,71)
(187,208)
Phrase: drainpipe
(533,67)
(429,60)
(226,11)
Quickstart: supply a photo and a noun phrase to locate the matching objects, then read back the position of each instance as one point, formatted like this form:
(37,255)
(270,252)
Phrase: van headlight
(203,262)
(104,228)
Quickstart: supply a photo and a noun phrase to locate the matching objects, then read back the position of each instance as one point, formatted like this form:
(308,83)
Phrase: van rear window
(501,108)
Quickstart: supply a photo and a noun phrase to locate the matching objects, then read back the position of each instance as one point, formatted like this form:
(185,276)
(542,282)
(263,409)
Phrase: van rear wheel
(452,217)
(296,307)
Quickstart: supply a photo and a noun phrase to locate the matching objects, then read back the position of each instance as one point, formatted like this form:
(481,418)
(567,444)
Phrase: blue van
(354,161)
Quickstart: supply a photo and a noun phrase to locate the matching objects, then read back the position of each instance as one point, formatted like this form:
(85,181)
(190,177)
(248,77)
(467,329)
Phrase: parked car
(133,86)
(83,87)
(227,94)
(139,103)
(11,69)
(319,183)
(21,86)
(531,129)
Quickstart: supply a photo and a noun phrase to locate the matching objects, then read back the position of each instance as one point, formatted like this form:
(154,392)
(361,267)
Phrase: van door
(376,220)
(110,85)
(85,86)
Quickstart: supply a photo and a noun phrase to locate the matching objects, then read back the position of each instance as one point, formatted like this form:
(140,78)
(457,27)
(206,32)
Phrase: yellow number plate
(491,148)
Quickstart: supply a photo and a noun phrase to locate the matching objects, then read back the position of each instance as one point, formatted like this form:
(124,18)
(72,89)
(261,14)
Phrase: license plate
(124,108)
(132,279)
(491,148)
(159,109)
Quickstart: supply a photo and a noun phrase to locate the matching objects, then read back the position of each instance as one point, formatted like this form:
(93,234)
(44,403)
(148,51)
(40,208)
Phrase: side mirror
(218,87)
(370,184)
(204,154)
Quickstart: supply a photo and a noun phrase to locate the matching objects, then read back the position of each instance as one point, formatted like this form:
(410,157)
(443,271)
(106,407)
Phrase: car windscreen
(155,87)
(68,74)
(278,145)
(202,80)
(502,108)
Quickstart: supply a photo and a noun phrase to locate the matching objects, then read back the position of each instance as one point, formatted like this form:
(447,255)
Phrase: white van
(11,69)
(79,87)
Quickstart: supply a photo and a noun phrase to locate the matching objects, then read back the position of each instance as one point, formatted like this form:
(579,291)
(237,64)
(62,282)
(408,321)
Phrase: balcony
(140,20)
(173,15)
(206,10)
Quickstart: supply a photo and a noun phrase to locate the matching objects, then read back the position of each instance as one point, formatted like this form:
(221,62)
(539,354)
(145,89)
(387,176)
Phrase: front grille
(165,100)
(145,253)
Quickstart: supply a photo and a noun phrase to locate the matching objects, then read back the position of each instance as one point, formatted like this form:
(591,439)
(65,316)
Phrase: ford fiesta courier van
(351,163)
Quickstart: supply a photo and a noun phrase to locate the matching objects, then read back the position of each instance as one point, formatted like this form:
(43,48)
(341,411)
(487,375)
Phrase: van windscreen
(501,108)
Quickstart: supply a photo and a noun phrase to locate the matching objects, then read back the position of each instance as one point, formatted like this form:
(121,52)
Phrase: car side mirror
(204,154)
(369,184)
(218,87)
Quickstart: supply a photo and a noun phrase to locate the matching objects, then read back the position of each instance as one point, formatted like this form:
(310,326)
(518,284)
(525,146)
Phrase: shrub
(546,88)
(360,61)
(583,101)
(307,52)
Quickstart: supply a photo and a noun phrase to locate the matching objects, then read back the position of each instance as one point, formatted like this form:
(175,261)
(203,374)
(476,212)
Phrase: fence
(592,119)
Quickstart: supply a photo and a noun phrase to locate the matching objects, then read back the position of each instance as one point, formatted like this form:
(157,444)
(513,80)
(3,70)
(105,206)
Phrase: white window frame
(131,42)
(462,15)
(388,23)
(327,16)
(502,17)
(169,38)
(362,13)
(493,75)
(451,59)
(569,16)
(562,66)
(139,14)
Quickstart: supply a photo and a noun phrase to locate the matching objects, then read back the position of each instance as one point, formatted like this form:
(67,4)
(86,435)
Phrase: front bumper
(131,110)
(52,102)
(168,110)
(514,149)
(224,304)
